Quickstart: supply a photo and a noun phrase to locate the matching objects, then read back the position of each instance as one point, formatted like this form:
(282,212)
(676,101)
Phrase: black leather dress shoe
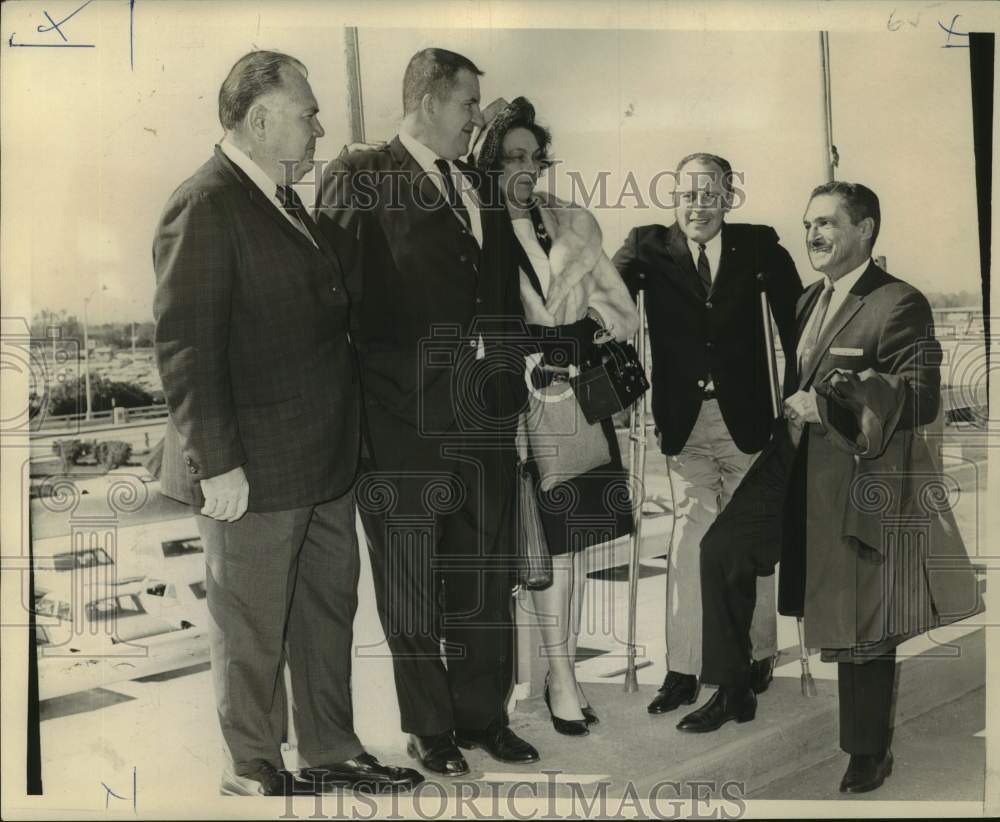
(866,773)
(589,716)
(500,742)
(676,690)
(761,673)
(261,778)
(727,703)
(364,773)
(438,753)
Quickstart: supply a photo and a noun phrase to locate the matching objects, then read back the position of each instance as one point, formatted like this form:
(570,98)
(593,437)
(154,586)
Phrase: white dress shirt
(713,251)
(426,158)
(841,288)
(259,178)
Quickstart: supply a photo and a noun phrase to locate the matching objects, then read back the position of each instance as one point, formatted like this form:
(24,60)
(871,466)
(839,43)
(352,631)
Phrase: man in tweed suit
(263,437)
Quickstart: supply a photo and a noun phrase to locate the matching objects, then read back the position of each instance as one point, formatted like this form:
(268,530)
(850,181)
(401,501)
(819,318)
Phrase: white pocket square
(847,352)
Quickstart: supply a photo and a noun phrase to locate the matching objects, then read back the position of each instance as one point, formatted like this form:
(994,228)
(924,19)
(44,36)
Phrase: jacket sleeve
(908,348)
(195,261)
(345,198)
(784,287)
(627,261)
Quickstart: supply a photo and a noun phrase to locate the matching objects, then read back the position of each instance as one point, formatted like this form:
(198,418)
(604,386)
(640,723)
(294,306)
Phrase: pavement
(160,732)
(938,757)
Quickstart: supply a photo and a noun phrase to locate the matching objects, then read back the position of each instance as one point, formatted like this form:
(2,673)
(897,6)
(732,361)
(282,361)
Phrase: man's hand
(493,109)
(226,495)
(800,408)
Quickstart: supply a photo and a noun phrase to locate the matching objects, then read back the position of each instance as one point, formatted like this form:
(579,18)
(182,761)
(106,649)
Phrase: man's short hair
(254,75)
(705,157)
(432,71)
(859,202)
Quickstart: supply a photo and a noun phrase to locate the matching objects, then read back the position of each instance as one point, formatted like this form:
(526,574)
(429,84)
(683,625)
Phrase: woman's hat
(491,144)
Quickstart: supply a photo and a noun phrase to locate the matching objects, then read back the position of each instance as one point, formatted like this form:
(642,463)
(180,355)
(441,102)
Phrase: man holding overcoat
(851,490)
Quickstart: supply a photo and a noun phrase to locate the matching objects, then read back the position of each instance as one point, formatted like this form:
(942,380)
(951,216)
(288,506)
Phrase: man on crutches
(710,390)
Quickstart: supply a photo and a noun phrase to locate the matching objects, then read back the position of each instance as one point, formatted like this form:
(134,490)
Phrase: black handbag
(534,562)
(611,381)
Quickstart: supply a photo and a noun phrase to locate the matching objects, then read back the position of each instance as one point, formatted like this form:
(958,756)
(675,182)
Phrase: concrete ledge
(789,734)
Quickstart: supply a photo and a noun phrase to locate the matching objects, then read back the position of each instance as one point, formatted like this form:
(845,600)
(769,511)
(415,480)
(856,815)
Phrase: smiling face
(520,162)
(292,126)
(452,119)
(836,245)
(701,200)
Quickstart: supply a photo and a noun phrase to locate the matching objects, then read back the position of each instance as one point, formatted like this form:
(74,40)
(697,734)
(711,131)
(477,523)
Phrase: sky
(96,139)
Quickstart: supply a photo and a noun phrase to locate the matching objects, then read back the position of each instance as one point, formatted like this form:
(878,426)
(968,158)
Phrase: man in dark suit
(438,323)
(262,387)
(711,400)
(847,495)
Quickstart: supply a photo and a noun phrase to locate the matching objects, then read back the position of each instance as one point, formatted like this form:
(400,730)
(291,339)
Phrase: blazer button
(708,344)
(479,300)
(192,469)
(708,304)
(334,289)
(463,259)
(701,383)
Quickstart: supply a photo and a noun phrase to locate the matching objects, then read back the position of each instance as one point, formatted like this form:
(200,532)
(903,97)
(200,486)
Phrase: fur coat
(582,274)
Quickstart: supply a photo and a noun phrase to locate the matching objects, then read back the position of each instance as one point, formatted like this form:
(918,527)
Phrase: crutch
(806,678)
(637,471)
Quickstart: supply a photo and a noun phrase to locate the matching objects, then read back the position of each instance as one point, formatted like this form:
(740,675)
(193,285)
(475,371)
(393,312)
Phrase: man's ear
(428,105)
(867,226)
(256,121)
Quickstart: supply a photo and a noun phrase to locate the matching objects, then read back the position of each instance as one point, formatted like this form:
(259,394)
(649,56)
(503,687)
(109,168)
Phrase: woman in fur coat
(569,285)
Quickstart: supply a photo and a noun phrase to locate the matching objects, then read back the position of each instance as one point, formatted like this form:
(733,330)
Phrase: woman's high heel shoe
(567,727)
(588,713)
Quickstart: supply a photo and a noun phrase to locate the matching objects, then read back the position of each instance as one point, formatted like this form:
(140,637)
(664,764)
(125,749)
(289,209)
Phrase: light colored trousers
(703,477)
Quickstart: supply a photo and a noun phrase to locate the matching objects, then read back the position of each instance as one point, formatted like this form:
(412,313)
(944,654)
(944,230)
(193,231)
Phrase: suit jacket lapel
(428,190)
(683,271)
(851,305)
(724,273)
(258,198)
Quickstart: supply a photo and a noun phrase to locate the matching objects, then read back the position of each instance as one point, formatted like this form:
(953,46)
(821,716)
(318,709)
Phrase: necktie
(812,338)
(544,240)
(293,205)
(704,272)
(454,200)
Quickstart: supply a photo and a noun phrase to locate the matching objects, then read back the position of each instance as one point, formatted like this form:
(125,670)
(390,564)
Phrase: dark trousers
(865,690)
(282,587)
(440,542)
(743,542)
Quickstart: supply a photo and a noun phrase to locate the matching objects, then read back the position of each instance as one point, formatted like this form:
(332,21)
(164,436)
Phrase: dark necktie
(812,338)
(544,240)
(704,272)
(293,205)
(454,200)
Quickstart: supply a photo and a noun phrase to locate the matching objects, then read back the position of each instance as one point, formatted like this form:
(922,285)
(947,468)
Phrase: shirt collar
(711,247)
(424,156)
(250,168)
(846,283)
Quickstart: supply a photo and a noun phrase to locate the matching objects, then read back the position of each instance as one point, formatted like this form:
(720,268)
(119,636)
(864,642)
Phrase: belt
(708,395)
